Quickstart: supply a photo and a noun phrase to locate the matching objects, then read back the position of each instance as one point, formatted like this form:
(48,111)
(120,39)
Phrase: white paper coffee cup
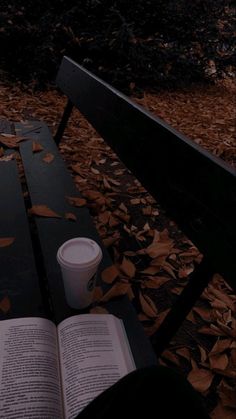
(79,259)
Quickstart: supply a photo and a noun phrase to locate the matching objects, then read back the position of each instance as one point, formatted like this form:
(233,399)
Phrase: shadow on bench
(197,190)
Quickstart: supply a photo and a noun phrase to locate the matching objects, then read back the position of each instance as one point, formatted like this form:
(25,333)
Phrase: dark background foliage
(149,43)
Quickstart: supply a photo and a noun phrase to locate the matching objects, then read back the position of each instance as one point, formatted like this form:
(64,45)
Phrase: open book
(54,372)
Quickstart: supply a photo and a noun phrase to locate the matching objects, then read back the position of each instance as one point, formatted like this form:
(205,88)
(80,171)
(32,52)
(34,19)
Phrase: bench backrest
(197,189)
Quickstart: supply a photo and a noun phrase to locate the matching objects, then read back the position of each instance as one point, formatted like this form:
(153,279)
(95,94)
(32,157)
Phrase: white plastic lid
(79,253)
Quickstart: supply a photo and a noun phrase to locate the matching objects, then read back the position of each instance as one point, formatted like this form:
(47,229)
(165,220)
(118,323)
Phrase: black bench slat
(18,276)
(197,189)
(49,184)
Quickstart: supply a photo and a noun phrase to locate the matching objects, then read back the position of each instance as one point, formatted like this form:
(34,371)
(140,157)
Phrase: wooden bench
(197,190)
(30,277)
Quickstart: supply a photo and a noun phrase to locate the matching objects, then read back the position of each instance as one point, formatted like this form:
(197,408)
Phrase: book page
(92,358)
(29,369)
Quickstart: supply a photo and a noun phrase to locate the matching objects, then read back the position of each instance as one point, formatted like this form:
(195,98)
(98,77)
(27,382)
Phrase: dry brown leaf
(184,352)
(6,241)
(109,274)
(121,215)
(5,305)
(92,195)
(1,152)
(227,394)
(151,270)
(148,305)
(97,293)
(218,361)
(156,282)
(48,158)
(98,310)
(43,211)
(222,296)
(204,313)
(123,207)
(127,267)
(94,171)
(109,241)
(76,201)
(156,249)
(170,356)
(104,217)
(119,288)
(222,412)
(169,269)
(212,330)
(135,201)
(70,216)
(36,147)
(185,271)
(113,221)
(11,141)
(200,378)
(7,157)
(203,354)
(220,346)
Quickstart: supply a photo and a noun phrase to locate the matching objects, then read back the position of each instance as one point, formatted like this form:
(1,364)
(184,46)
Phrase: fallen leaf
(204,313)
(48,158)
(98,310)
(76,201)
(70,216)
(200,378)
(43,211)
(156,282)
(36,147)
(97,293)
(5,305)
(220,346)
(227,394)
(7,157)
(222,412)
(118,289)
(148,305)
(109,274)
(218,361)
(170,356)
(127,267)
(6,241)
(184,352)
(10,140)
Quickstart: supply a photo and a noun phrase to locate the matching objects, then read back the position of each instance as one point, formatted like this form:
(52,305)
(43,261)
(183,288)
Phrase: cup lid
(79,253)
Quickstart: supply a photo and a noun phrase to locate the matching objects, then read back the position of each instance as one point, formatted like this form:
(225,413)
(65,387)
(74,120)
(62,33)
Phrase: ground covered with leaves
(152,257)
(146,42)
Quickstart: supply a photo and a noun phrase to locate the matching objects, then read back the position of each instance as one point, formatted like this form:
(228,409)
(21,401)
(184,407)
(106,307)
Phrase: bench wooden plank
(197,189)
(18,276)
(49,184)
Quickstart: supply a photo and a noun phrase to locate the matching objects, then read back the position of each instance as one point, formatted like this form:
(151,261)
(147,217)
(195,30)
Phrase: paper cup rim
(90,263)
